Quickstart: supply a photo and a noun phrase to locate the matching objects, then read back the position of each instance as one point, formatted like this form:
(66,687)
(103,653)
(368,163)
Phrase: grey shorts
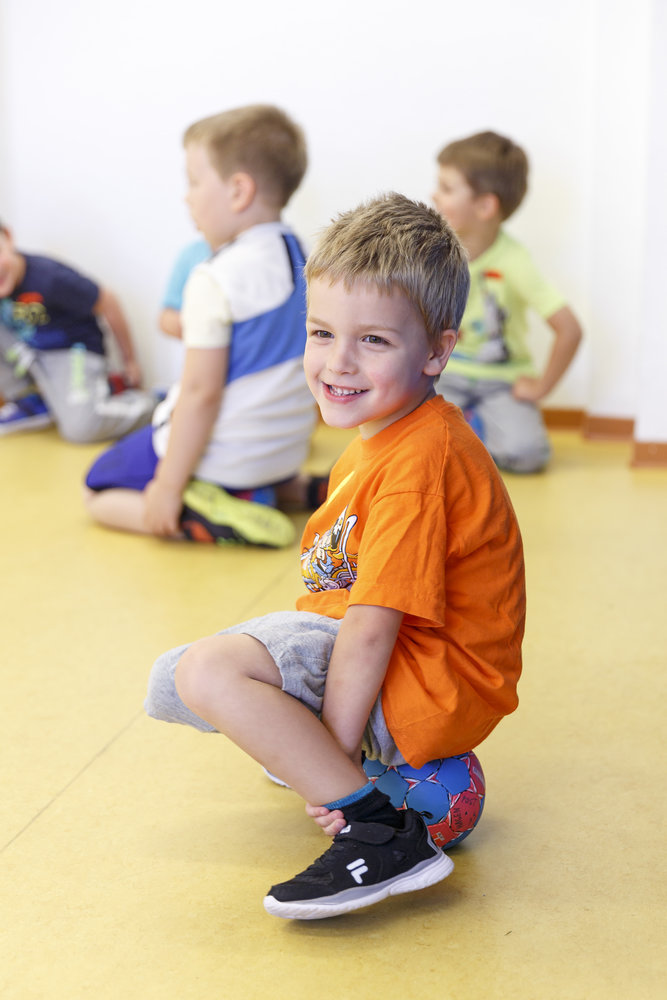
(300,644)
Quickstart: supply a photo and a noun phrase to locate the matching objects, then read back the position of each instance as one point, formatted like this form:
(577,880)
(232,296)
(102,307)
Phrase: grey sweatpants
(513,431)
(74,386)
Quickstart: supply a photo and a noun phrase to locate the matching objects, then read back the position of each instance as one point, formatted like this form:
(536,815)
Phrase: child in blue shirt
(53,363)
(172,303)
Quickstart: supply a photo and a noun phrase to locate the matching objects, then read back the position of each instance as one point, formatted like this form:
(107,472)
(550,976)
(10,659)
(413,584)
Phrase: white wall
(651,411)
(95,98)
(618,198)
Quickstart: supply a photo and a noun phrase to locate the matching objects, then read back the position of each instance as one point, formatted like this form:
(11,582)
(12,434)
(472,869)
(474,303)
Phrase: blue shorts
(129,464)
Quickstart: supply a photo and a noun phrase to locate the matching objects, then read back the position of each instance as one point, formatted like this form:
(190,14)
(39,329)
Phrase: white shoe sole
(25,424)
(429,872)
(275,780)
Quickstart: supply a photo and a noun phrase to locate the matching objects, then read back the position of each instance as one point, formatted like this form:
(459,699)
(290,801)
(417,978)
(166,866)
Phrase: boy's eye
(373,338)
(320,334)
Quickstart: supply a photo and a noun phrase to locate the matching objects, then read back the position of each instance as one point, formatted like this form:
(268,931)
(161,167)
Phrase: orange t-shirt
(417,518)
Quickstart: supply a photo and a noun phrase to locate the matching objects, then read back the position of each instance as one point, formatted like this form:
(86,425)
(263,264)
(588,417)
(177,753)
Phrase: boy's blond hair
(260,140)
(392,242)
(491,164)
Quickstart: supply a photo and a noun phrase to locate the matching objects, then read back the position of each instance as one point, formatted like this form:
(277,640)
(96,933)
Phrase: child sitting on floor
(172,303)
(53,363)
(406,645)
(481,181)
(227,444)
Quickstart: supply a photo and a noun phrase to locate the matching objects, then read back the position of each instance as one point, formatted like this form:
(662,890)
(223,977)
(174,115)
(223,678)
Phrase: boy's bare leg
(117,508)
(233,683)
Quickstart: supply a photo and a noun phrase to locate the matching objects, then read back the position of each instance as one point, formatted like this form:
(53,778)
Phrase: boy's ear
(244,189)
(487,206)
(440,354)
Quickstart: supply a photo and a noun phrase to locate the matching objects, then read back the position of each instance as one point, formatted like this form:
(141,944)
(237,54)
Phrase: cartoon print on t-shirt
(492,325)
(24,314)
(327,565)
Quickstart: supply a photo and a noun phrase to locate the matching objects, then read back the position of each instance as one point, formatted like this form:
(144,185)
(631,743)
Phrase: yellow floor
(135,855)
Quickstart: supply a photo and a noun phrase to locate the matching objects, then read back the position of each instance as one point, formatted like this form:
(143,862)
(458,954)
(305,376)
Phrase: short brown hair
(258,139)
(491,164)
(393,242)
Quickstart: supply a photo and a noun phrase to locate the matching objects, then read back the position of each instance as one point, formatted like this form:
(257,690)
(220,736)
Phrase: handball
(449,793)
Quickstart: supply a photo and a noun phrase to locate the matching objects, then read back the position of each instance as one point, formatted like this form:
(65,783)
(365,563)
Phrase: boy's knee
(77,429)
(534,459)
(196,672)
(211,670)
(163,701)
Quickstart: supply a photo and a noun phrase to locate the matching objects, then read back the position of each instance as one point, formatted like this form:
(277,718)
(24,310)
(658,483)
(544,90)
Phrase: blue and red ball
(449,793)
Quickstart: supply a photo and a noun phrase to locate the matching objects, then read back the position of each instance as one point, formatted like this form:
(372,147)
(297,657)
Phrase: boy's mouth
(339,391)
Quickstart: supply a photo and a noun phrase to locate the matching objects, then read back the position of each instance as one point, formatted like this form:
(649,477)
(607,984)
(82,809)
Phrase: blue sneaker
(25,414)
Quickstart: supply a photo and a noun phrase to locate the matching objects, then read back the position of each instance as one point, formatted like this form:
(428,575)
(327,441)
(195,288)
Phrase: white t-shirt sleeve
(206,316)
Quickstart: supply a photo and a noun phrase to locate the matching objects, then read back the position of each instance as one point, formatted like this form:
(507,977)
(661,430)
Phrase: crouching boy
(406,645)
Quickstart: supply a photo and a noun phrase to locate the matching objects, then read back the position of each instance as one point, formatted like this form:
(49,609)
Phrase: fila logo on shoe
(357,869)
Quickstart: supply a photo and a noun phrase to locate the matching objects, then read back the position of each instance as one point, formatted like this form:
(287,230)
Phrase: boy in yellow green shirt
(482,180)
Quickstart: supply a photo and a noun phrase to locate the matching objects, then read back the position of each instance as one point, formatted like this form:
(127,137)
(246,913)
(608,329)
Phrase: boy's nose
(340,358)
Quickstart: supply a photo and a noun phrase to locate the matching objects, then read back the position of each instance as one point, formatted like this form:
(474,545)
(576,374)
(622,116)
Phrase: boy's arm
(568,334)
(108,307)
(194,415)
(357,668)
(169,322)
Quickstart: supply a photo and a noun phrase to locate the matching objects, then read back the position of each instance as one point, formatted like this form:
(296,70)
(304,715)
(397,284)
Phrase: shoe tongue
(367,833)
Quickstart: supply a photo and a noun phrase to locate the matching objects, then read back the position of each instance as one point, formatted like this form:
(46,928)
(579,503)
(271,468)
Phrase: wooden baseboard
(608,428)
(563,420)
(595,428)
(647,454)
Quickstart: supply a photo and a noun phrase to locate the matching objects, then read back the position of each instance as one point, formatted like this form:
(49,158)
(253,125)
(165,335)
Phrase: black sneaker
(366,863)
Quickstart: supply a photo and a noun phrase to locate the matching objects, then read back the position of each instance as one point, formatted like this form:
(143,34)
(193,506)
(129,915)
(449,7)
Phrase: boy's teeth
(343,392)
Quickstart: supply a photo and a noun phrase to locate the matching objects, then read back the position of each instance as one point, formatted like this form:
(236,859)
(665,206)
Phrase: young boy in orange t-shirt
(407,643)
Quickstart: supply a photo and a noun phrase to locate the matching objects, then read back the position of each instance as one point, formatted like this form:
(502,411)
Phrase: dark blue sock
(368,805)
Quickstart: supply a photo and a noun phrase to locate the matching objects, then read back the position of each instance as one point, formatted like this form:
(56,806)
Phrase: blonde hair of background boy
(393,242)
(491,164)
(258,139)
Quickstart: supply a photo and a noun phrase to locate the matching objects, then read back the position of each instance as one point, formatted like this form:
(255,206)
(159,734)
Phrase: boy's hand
(162,510)
(331,821)
(132,373)
(568,334)
(528,389)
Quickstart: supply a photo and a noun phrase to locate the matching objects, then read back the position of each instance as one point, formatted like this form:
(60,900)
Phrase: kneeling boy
(227,444)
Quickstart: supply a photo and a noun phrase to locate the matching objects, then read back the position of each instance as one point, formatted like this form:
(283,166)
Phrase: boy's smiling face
(368,361)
